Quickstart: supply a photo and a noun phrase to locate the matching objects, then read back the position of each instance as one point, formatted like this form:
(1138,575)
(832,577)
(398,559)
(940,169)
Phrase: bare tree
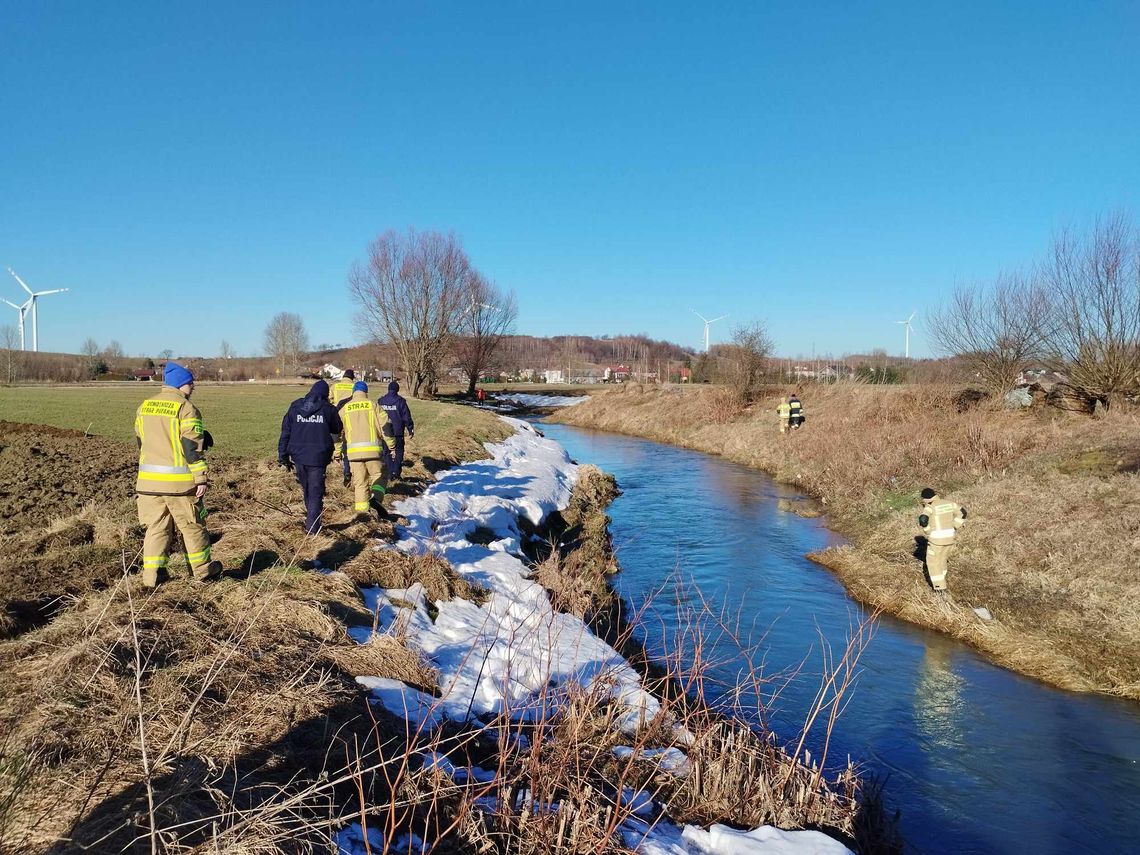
(1095,334)
(409,293)
(286,339)
(10,339)
(90,348)
(166,355)
(744,361)
(487,316)
(227,351)
(114,350)
(998,330)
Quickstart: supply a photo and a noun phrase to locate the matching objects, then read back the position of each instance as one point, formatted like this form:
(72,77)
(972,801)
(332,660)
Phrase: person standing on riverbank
(368,456)
(796,414)
(306,446)
(400,420)
(784,411)
(172,479)
(940,520)
(341,392)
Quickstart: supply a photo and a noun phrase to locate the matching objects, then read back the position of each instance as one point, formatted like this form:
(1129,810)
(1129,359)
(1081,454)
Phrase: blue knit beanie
(360,386)
(175,375)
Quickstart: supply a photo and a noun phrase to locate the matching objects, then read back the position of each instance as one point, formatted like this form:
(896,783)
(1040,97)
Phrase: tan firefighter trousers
(369,480)
(161,515)
(936,556)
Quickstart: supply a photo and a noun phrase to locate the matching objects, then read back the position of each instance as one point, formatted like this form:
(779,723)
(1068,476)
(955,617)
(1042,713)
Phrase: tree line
(1076,311)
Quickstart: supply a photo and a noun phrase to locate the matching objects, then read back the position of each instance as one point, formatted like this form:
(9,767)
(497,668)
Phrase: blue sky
(190,170)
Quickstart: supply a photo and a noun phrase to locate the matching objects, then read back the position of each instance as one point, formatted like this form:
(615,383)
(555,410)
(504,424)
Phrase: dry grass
(1054,528)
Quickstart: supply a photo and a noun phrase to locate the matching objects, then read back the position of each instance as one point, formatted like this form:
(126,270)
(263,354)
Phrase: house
(553,375)
(686,374)
(616,374)
(143,374)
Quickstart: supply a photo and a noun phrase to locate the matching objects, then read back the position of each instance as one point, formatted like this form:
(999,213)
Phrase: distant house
(686,374)
(143,374)
(616,373)
(553,375)
(526,375)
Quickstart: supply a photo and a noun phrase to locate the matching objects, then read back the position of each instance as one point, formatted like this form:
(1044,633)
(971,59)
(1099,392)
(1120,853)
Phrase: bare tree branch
(286,339)
(487,317)
(409,294)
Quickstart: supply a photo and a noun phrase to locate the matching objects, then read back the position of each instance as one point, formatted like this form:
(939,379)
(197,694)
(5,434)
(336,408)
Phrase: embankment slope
(1053,536)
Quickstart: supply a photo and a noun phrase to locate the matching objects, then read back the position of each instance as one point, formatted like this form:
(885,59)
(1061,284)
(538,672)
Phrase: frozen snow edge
(500,656)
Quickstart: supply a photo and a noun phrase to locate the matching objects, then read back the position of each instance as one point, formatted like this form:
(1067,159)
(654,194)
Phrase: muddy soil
(62,497)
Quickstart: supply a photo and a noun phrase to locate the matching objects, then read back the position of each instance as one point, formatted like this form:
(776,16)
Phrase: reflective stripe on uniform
(199,557)
(363,446)
(942,532)
(163,470)
(155,561)
(361,506)
(198,466)
(379,488)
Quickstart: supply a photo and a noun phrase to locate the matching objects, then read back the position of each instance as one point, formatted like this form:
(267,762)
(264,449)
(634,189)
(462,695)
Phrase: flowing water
(979,759)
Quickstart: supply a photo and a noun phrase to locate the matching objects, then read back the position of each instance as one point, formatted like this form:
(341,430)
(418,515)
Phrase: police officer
(172,478)
(940,520)
(368,458)
(306,445)
(341,392)
(400,419)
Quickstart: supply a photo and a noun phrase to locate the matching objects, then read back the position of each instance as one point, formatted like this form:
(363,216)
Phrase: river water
(978,759)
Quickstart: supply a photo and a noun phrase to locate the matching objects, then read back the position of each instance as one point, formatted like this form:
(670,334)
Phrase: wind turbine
(708,323)
(23,310)
(31,305)
(906,326)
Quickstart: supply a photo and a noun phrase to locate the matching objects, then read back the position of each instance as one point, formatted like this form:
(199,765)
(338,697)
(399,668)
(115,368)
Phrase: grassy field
(1053,535)
(245,421)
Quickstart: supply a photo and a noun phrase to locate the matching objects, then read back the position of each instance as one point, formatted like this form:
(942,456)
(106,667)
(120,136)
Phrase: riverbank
(1052,536)
(236,716)
(225,715)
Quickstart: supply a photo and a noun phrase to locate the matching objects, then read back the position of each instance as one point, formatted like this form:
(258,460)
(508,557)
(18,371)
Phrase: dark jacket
(308,428)
(397,409)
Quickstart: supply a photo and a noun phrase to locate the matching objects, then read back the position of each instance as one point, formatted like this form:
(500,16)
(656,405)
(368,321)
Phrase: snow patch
(548,401)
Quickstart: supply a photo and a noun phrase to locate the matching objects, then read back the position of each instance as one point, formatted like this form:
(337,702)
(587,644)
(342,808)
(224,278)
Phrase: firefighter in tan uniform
(784,411)
(940,521)
(339,393)
(366,450)
(172,478)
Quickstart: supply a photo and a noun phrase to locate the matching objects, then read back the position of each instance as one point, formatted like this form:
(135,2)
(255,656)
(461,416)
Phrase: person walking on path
(784,411)
(400,419)
(172,478)
(940,520)
(341,392)
(368,456)
(796,412)
(306,446)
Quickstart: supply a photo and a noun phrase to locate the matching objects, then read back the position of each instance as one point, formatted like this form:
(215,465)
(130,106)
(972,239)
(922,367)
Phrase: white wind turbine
(906,326)
(708,323)
(31,306)
(23,310)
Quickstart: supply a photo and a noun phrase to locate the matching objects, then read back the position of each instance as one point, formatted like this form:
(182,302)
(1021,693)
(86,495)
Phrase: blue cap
(359,386)
(175,375)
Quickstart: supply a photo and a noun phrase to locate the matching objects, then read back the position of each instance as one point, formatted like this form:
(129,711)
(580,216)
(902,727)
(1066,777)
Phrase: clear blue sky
(189,170)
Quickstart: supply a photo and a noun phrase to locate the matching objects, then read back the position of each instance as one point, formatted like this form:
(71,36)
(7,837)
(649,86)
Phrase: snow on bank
(506,653)
(526,400)
(514,652)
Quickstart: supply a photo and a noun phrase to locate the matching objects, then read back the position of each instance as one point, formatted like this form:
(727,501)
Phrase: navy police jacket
(308,428)
(397,409)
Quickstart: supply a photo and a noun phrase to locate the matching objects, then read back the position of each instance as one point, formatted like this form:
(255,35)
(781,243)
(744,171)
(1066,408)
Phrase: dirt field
(237,686)
(1053,536)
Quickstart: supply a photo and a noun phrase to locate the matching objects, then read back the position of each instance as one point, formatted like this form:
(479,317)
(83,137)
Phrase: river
(978,759)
